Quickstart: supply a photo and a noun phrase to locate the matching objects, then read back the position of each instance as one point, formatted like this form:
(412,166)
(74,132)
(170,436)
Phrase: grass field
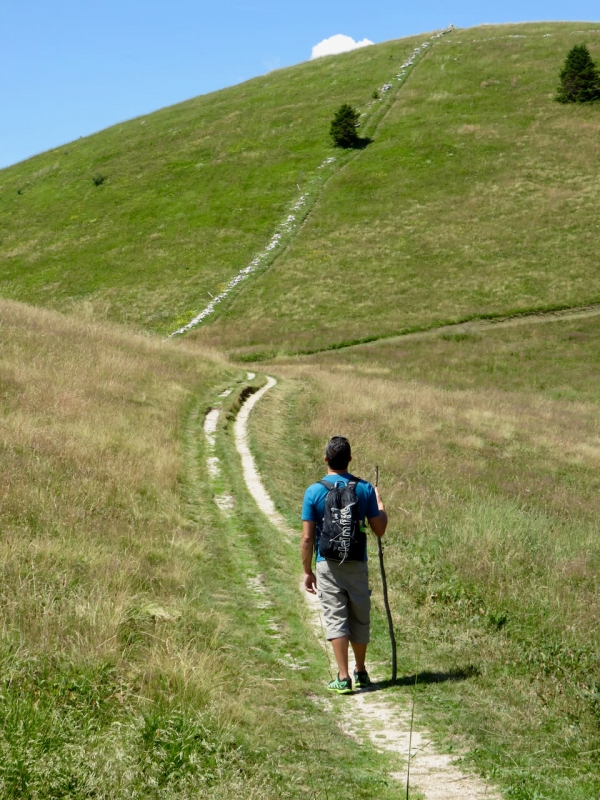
(135,661)
(190,194)
(136,658)
(488,448)
(478,197)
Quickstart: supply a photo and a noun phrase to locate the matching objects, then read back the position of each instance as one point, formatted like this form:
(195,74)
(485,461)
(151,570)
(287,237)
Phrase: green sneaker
(341,687)
(361,679)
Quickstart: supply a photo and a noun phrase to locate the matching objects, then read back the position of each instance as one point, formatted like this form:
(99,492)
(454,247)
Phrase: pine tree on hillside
(579,78)
(343,126)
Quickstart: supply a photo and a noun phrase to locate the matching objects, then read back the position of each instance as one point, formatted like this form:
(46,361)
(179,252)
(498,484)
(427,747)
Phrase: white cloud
(337,44)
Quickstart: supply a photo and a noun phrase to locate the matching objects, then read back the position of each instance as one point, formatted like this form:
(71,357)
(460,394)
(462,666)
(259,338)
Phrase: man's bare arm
(379,524)
(306,548)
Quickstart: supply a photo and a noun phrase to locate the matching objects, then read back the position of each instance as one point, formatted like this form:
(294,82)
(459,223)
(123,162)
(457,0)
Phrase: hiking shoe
(341,687)
(361,679)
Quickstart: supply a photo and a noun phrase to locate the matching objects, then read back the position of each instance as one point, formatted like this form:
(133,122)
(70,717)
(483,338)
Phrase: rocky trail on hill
(301,208)
(366,715)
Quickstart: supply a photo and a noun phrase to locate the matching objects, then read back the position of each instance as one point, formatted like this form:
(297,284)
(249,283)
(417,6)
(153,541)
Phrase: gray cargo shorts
(343,590)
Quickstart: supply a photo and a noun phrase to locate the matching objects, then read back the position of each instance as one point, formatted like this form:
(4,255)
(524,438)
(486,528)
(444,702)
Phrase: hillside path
(480,326)
(298,213)
(369,714)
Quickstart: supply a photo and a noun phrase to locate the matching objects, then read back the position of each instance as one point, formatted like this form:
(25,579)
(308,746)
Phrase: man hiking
(333,516)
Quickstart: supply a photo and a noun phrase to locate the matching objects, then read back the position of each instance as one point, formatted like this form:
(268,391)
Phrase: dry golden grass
(98,608)
(488,448)
(462,434)
(91,464)
(134,661)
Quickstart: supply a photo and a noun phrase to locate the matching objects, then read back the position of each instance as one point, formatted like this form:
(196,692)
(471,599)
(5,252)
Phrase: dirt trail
(369,713)
(483,325)
(251,475)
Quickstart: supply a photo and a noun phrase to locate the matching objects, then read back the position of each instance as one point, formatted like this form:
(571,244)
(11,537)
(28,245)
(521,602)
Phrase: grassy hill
(478,197)
(186,197)
(99,556)
(135,660)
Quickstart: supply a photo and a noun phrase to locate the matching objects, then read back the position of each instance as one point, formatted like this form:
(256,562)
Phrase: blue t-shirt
(313,507)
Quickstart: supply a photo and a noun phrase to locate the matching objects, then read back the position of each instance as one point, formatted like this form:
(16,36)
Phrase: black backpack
(341,536)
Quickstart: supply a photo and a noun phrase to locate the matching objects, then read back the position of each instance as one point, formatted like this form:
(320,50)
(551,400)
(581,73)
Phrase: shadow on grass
(424,678)
(360,143)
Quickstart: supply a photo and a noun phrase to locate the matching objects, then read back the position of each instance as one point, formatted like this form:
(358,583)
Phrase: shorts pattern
(343,590)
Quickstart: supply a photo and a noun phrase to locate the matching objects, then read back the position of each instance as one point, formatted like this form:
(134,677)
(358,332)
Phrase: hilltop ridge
(478,198)
(475,186)
(142,223)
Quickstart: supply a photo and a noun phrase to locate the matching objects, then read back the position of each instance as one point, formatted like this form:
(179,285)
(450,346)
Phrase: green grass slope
(190,194)
(479,196)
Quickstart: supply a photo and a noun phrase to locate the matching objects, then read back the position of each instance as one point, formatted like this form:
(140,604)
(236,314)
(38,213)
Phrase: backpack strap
(328,485)
(355,481)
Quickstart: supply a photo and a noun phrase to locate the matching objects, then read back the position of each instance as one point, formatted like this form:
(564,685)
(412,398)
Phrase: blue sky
(73,67)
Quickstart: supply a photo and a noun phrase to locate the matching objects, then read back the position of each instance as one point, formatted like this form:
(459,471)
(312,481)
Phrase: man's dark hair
(338,452)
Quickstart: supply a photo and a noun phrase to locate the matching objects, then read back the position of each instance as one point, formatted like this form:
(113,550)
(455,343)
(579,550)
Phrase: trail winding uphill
(301,207)
(369,714)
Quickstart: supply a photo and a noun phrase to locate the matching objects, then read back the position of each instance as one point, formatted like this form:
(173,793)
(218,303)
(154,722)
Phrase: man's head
(337,453)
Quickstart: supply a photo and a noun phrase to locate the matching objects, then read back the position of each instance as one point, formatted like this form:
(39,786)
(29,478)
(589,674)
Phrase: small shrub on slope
(343,126)
(579,77)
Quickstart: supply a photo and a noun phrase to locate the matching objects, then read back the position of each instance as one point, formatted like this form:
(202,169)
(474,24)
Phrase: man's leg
(360,652)
(334,602)
(340,650)
(359,613)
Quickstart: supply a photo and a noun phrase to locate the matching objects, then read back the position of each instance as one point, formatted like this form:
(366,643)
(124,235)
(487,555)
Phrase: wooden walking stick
(385,594)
